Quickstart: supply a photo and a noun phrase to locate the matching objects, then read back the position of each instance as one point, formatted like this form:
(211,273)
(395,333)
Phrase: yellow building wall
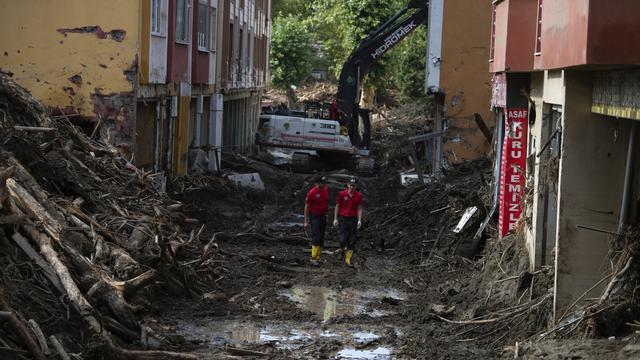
(465,78)
(76,55)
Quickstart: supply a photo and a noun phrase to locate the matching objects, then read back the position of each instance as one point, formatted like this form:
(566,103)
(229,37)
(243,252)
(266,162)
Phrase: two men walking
(347,217)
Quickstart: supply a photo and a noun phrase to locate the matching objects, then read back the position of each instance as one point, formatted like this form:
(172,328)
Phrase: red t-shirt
(333,111)
(349,203)
(318,200)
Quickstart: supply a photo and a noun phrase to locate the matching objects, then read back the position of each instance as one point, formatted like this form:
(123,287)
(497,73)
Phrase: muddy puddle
(327,303)
(356,343)
(345,341)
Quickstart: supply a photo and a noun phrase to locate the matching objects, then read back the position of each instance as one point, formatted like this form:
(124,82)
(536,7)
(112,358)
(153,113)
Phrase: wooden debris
(243,352)
(33,128)
(72,205)
(61,352)
(49,273)
(21,331)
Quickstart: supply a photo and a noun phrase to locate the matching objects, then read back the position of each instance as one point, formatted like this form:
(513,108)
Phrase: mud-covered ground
(416,298)
(210,270)
(271,300)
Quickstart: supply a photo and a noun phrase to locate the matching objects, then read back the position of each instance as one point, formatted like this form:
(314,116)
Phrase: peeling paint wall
(76,55)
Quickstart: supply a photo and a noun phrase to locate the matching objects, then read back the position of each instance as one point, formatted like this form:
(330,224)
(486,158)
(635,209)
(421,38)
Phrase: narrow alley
(294,179)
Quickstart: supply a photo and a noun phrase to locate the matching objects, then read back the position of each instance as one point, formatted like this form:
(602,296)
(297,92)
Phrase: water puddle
(380,353)
(214,334)
(355,342)
(328,303)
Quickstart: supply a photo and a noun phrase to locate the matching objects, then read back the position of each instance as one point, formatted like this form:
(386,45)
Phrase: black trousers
(348,227)
(318,226)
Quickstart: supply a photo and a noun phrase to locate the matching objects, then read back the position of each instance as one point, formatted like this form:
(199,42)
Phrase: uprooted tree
(97,233)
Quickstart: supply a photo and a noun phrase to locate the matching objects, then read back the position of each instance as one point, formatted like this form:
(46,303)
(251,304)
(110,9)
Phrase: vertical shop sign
(513,180)
(499,91)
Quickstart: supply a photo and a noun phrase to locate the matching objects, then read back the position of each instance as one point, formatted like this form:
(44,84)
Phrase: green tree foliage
(411,65)
(297,8)
(291,54)
(340,25)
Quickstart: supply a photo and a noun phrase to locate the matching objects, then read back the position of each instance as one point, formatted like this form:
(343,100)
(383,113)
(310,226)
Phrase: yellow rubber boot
(314,252)
(319,252)
(347,257)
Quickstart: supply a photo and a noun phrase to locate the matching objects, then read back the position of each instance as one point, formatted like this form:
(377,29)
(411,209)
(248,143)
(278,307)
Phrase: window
(203,23)
(182,21)
(159,17)
(492,50)
(240,53)
(155,16)
(213,25)
(231,50)
(539,29)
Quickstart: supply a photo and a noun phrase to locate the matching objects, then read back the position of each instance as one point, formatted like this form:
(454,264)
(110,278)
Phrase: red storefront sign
(514,162)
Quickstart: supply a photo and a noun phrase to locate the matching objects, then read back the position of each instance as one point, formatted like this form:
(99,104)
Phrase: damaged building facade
(565,93)
(170,83)
(458,78)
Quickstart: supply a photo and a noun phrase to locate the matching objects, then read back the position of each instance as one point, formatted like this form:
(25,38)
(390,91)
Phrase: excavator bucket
(360,132)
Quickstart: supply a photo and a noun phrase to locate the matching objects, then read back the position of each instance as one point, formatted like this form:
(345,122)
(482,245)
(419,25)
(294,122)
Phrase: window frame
(203,48)
(187,22)
(213,27)
(156,6)
(158,26)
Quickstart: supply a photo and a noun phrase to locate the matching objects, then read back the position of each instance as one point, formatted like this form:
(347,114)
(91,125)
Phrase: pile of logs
(96,227)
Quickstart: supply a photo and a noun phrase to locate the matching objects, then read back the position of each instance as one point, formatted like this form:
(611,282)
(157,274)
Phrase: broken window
(182,21)
(203,31)
(213,24)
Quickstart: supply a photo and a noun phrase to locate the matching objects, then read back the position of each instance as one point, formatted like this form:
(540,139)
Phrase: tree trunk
(367,98)
(21,331)
(99,283)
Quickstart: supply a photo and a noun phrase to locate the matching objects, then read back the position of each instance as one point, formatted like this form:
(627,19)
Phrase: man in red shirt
(333,111)
(349,213)
(315,213)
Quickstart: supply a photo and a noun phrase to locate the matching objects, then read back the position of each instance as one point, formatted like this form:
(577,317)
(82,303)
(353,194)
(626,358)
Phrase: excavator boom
(362,58)
(318,134)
